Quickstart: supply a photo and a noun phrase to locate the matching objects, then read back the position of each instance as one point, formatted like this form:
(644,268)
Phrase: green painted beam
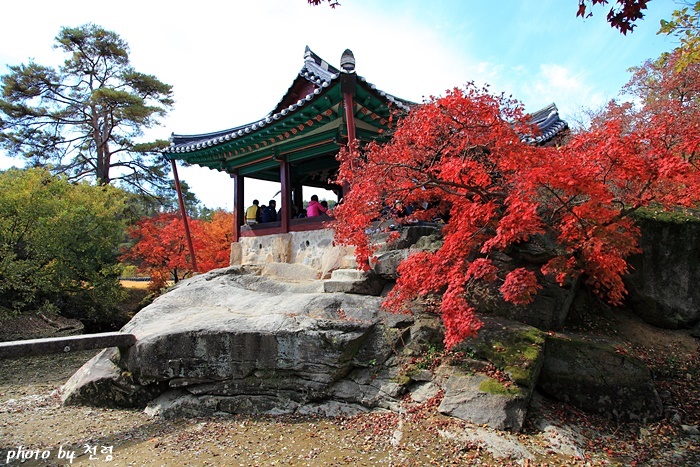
(304,145)
(258,167)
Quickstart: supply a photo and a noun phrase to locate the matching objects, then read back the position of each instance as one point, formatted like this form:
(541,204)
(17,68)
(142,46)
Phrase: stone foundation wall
(314,248)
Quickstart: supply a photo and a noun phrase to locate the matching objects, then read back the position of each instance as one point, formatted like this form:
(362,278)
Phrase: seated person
(315,209)
(252,214)
(270,213)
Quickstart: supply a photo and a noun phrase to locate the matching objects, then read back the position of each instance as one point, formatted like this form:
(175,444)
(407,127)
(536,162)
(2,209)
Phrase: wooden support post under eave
(238,206)
(286,194)
(183,213)
(349,105)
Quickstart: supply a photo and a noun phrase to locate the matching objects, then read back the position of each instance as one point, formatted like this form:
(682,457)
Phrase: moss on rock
(515,348)
(492,386)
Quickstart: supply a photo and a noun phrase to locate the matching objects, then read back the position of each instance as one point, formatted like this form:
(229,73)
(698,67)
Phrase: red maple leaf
(460,159)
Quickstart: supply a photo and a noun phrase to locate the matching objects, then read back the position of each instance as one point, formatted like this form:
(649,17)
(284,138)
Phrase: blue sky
(231,62)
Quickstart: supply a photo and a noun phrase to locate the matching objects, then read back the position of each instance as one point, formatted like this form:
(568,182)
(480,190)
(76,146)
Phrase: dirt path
(31,417)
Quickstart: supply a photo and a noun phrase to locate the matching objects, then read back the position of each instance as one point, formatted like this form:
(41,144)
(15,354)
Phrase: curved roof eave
(315,71)
(322,77)
(548,121)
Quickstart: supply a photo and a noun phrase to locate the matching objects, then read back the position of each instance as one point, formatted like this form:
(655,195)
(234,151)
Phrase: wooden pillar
(350,122)
(286,194)
(183,213)
(349,105)
(238,206)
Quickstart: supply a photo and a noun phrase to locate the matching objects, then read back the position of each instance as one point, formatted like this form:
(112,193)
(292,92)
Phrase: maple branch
(579,220)
(564,205)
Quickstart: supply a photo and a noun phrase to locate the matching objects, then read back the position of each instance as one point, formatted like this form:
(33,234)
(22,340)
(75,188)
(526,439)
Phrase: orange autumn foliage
(460,157)
(161,247)
(218,235)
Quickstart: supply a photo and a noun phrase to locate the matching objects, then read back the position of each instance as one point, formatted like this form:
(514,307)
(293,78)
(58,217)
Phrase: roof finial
(347,61)
(307,54)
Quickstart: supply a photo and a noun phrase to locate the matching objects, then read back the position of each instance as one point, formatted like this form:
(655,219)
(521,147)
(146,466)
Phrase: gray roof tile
(318,72)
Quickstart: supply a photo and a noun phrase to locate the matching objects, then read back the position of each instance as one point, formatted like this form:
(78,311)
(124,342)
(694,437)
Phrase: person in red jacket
(315,209)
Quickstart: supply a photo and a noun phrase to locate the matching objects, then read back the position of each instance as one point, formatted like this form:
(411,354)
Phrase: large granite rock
(663,280)
(548,311)
(599,375)
(471,391)
(101,382)
(230,336)
(239,341)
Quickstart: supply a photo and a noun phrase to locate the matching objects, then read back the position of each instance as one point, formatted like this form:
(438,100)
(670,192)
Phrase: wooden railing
(51,345)
(295,225)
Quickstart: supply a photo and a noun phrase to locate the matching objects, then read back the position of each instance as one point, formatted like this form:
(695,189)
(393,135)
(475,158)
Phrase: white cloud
(230,62)
(559,77)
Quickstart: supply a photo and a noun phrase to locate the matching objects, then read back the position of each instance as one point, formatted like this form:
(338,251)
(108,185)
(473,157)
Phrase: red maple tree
(161,247)
(669,89)
(216,242)
(462,158)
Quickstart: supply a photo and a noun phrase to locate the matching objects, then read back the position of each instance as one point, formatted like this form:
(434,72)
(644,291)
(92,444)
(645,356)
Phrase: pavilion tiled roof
(548,122)
(316,71)
(305,100)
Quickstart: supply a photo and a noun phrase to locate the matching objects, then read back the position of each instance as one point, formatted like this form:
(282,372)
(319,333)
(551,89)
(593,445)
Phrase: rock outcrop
(599,375)
(273,339)
(473,391)
(236,341)
(663,280)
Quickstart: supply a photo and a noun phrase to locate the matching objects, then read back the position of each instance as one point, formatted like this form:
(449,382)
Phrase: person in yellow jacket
(252,213)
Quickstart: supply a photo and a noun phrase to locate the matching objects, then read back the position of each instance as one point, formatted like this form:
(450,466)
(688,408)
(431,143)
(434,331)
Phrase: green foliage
(685,26)
(58,244)
(432,357)
(84,118)
(129,271)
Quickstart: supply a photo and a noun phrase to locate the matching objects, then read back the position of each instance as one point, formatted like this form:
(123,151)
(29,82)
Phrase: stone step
(349,262)
(353,281)
(348,275)
(289,271)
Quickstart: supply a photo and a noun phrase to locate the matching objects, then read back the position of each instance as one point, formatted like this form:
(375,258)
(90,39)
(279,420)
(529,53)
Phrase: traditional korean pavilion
(296,143)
